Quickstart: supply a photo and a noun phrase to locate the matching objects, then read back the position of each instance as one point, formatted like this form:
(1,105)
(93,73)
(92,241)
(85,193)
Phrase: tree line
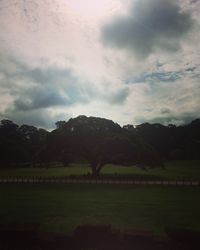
(97,141)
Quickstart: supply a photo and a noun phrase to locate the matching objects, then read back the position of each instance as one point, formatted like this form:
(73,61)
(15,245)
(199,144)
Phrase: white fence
(36,180)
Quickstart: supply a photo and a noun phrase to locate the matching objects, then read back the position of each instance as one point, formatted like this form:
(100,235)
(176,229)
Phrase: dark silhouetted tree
(98,141)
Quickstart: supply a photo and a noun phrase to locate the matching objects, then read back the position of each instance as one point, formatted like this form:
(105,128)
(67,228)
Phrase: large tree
(173,142)
(98,141)
(19,145)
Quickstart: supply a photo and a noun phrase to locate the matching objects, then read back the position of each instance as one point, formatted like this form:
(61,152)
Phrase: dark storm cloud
(193,1)
(149,25)
(165,111)
(191,69)
(36,93)
(40,88)
(60,88)
(39,118)
(40,98)
(119,97)
(50,75)
(51,87)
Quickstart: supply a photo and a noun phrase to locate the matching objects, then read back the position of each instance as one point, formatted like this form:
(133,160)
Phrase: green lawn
(62,207)
(174,170)
(74,169)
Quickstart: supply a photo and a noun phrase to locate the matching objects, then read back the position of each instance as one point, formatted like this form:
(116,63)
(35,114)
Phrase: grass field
(174,170)
(61,208)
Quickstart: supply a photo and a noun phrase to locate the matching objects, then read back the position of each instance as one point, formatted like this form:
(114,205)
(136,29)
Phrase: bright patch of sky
(131,61)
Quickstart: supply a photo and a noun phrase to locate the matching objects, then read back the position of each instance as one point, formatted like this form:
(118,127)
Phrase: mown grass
(62,207)
(73,169)
(173,170)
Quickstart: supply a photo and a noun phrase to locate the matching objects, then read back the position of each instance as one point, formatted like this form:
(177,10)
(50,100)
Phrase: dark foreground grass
(61,208)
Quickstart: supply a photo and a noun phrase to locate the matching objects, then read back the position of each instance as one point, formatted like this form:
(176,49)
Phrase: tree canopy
(97,141)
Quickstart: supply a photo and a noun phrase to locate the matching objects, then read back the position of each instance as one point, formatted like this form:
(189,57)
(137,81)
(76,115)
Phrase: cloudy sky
(131,61)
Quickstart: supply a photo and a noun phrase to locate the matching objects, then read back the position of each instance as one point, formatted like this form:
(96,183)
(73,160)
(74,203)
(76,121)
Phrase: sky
(132,61)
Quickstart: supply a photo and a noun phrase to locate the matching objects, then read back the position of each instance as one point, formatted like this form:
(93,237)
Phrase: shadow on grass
(96,237)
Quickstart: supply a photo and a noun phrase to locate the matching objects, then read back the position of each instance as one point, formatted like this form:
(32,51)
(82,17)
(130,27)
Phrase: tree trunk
(96,168)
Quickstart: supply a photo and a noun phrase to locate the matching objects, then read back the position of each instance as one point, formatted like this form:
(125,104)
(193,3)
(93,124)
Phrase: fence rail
(56,180)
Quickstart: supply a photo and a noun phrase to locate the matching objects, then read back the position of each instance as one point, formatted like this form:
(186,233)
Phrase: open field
(62,207)
(174,170)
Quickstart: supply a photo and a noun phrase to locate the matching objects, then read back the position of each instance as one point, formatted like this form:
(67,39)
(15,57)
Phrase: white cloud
(53,65)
